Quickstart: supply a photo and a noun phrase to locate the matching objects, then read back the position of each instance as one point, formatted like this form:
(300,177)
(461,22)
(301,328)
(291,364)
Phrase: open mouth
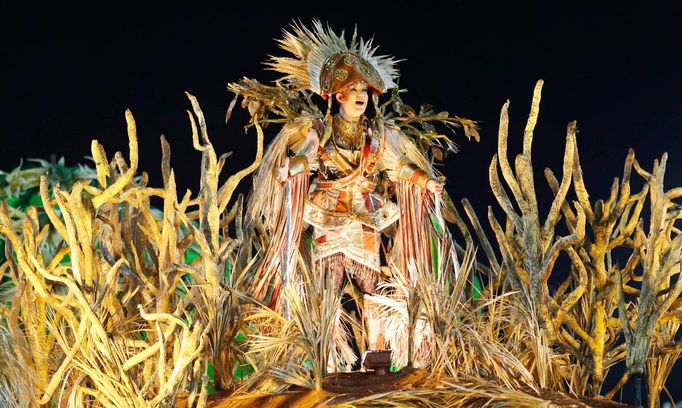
(360,103)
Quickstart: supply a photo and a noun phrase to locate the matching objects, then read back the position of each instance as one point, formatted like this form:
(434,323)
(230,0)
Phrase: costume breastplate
(338,162)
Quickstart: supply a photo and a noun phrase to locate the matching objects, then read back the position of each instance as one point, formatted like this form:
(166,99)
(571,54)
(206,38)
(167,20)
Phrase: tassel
(377,109)
(379,118)
(327,123)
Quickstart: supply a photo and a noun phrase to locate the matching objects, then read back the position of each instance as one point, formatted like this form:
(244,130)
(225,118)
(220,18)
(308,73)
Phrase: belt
(344,182)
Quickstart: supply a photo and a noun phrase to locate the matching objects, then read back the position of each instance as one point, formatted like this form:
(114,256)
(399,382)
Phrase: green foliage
(19,186)
(20,189)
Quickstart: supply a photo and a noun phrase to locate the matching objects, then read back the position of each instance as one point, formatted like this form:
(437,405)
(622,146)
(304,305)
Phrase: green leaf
(436,224)
(435,257)
(240,337)
(228,269)
(191,255)
(210,387)
(476,288)
(13,201)
(22,201)
(36,200)
(242,370)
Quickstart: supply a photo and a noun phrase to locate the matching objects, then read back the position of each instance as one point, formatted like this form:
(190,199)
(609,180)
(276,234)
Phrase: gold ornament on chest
(347,134)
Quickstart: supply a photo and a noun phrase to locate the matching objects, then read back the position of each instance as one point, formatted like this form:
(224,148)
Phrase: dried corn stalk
(123,321)
(582,315)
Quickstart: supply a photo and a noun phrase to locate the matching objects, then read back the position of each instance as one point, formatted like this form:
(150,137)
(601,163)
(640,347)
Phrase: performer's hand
(435,186)
(283,171)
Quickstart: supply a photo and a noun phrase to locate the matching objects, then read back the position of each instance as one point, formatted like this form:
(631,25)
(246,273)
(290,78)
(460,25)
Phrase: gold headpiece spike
(318,60)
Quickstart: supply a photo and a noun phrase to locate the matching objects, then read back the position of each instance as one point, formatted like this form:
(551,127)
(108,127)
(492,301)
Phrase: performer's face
(353,100)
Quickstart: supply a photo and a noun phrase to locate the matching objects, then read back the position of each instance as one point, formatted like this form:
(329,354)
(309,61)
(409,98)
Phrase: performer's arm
(399,161)
(303,160)
(409,171)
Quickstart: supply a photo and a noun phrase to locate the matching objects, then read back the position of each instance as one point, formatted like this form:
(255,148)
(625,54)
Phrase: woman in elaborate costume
(337,173)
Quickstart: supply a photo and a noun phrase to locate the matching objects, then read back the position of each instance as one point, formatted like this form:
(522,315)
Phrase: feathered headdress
(325,63)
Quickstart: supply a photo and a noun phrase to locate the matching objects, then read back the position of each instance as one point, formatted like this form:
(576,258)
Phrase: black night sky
(68,73)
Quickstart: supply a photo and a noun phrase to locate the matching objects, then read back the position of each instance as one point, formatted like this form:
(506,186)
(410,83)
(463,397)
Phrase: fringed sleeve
(280,255)
(267,193)
(402,160)
(423,244)
(279,208)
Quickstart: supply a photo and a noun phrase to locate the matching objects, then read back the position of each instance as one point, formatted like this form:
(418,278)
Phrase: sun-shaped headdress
(325,63)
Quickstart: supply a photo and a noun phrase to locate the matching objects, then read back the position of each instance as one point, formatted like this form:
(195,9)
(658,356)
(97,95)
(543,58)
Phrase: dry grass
(16,381)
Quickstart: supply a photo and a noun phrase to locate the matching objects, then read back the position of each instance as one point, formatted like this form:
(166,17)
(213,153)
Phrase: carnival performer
(327,175)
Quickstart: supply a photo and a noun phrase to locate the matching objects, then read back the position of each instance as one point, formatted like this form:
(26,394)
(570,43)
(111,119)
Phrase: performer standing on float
(335,168)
